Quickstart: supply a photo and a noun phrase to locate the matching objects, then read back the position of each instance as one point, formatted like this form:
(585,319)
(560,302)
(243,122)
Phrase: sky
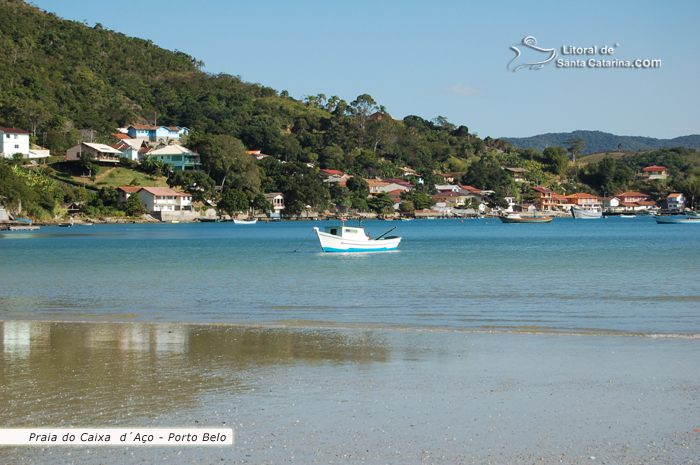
(444,58)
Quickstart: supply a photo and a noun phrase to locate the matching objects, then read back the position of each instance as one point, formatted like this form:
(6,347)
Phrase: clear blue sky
(445,58)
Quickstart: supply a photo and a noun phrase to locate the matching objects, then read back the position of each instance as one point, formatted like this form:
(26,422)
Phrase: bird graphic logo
(529,45)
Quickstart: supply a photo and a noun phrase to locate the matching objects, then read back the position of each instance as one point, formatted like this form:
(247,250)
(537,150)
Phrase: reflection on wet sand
(113,373)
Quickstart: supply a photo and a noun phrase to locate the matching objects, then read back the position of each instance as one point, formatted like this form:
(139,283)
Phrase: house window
(15,136)
(16,146)
(7,135)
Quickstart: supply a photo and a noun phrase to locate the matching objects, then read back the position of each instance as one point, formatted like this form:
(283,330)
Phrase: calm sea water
(608,276)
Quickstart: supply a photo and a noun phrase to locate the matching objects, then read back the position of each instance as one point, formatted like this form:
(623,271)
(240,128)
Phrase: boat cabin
(357,234)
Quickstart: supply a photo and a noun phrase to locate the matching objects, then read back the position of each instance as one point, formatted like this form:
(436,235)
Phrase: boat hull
(245,221)
(586,213)
(676,220)
(331,243)
(546,219)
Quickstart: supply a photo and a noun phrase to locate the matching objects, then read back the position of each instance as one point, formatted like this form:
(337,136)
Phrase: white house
(13,140)
(100,152)
(277,201)
(676,202)
(160,199)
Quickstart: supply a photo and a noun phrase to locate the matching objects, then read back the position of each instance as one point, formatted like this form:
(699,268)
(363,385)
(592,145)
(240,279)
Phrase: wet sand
(346,396)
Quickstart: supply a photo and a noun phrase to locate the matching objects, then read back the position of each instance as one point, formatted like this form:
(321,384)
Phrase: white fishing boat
(354,239)
(692,214)
(235,221)
(587,213)
(676,219)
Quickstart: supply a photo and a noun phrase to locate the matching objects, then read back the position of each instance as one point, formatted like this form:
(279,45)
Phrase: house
(182,159)
(451,199)
(391,186)
(125,191)
(676,202)
(257,155)
(400,182)
(160,199)
(13,140)
(101,153)
(335,175)
(630,197)
(72,207)
(517,173)
(546,201)
(447,187)
(629,202)
(375,185)
(471,189)
(127,150)
(562,202)
(583,200)
(408,171)
(156,133)
(450,177)
(277,201)
(654,172)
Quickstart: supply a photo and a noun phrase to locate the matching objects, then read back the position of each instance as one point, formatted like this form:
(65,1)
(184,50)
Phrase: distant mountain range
(598,141)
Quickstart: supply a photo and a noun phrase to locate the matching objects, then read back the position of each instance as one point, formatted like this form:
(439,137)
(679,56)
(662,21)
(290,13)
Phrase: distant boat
(245,221)
(516,218)
(406,219)
(627,216)
(23,220)
(351,239)
(586,213)
(692,214)
(208,220)
(64,225)
(677,219)
(84,224)
(175,221)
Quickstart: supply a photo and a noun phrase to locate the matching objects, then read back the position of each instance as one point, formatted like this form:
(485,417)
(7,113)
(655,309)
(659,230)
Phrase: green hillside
(598,141)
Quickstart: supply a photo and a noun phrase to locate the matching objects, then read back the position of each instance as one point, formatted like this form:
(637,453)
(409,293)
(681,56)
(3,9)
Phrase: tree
(575,147)
(380,202)
(232,201)
(133,206)
(361,108)
(198,185)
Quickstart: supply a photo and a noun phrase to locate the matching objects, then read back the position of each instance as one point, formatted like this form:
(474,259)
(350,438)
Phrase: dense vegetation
(62,79)
(598,141)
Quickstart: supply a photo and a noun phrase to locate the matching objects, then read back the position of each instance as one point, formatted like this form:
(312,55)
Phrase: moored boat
(692,214)
(675,219)
(208,220)
(245,221)
(354,239)
(586,213)
(516,218)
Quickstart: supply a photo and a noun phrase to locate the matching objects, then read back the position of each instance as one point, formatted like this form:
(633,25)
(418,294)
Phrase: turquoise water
(608,276)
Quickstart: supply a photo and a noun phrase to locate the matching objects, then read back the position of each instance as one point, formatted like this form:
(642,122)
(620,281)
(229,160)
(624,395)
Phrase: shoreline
(344,326)
(296,395)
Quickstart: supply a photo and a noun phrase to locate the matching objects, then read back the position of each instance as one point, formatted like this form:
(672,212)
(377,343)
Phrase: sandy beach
(301,395)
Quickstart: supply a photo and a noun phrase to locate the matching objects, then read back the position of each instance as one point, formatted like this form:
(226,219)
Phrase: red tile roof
(13,130)
(471,189)
(631,194)
(333,172)
(654,168)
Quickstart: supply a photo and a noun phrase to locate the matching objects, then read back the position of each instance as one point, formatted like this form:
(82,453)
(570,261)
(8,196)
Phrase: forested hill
(598,141)
(56,74)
